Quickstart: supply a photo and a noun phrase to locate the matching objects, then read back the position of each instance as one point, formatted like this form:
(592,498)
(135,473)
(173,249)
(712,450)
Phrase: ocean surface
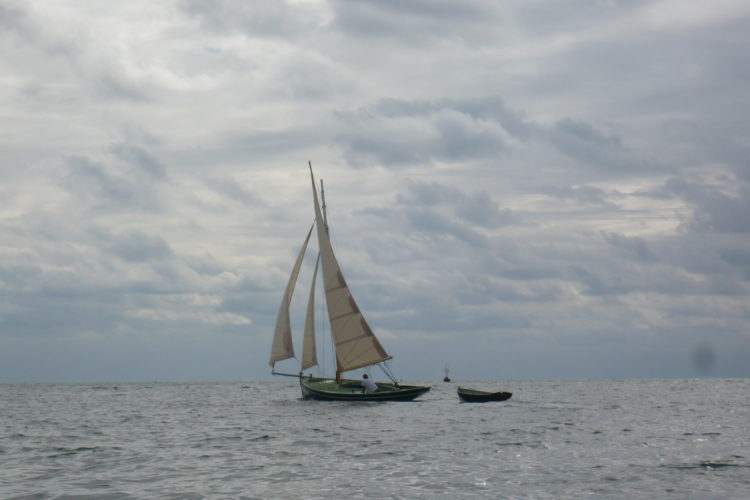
(553,439)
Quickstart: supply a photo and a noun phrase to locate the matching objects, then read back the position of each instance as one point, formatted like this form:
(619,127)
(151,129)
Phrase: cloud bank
(519,190)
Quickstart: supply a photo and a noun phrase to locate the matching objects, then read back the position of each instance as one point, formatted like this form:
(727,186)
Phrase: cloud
(397,132)
(477,208)
(15,19)
(634,246)
(231,188)
(589,195)
(108,184)
(400,133)
(63,61)
(714,208)
(135,246)
(589,146)
(267,18)
(417,22)
(140,158)
(515,180)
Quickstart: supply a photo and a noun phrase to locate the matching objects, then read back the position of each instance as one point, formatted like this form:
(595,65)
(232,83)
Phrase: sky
(518,189)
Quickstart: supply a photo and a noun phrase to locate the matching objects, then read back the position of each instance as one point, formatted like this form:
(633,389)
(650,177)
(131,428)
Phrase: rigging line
(322,323)
(388,372)
(321,365)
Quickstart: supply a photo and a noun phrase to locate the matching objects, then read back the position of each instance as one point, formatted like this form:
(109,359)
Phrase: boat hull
(351,390)
(474,396)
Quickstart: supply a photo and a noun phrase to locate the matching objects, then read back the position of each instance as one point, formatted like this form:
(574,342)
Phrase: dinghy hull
(474,396)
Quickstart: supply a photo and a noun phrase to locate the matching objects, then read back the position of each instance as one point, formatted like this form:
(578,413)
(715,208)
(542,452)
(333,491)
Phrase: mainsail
(309,352)
(356,345)
(282,347)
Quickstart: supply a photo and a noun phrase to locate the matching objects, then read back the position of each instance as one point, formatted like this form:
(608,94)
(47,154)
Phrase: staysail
(356,344)
(282,347)
(309,354)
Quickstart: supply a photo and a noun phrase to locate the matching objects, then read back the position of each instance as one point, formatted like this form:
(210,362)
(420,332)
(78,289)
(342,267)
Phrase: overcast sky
(520,189)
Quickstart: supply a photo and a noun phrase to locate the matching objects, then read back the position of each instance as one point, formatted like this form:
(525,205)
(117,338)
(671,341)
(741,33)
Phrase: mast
(325,225)
(323,201)
(356,344)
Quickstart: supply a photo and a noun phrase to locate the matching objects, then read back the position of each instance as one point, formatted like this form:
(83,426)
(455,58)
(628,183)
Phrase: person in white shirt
(368,385)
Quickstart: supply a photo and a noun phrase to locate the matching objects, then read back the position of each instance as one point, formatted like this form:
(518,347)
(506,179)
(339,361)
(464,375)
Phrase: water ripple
(616,439)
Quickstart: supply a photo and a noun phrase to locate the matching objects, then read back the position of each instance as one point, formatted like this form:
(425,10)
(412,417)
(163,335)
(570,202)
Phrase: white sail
(282,347)
(356,344)
(309,351)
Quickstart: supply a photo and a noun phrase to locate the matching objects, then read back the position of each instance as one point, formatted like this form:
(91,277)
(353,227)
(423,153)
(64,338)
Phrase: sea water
(552,439)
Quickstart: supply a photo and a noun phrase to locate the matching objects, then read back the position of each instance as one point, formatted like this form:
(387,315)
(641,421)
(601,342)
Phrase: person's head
(364,376)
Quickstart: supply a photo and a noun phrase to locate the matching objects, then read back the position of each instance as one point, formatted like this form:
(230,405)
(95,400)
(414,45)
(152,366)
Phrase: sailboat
(356,345)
